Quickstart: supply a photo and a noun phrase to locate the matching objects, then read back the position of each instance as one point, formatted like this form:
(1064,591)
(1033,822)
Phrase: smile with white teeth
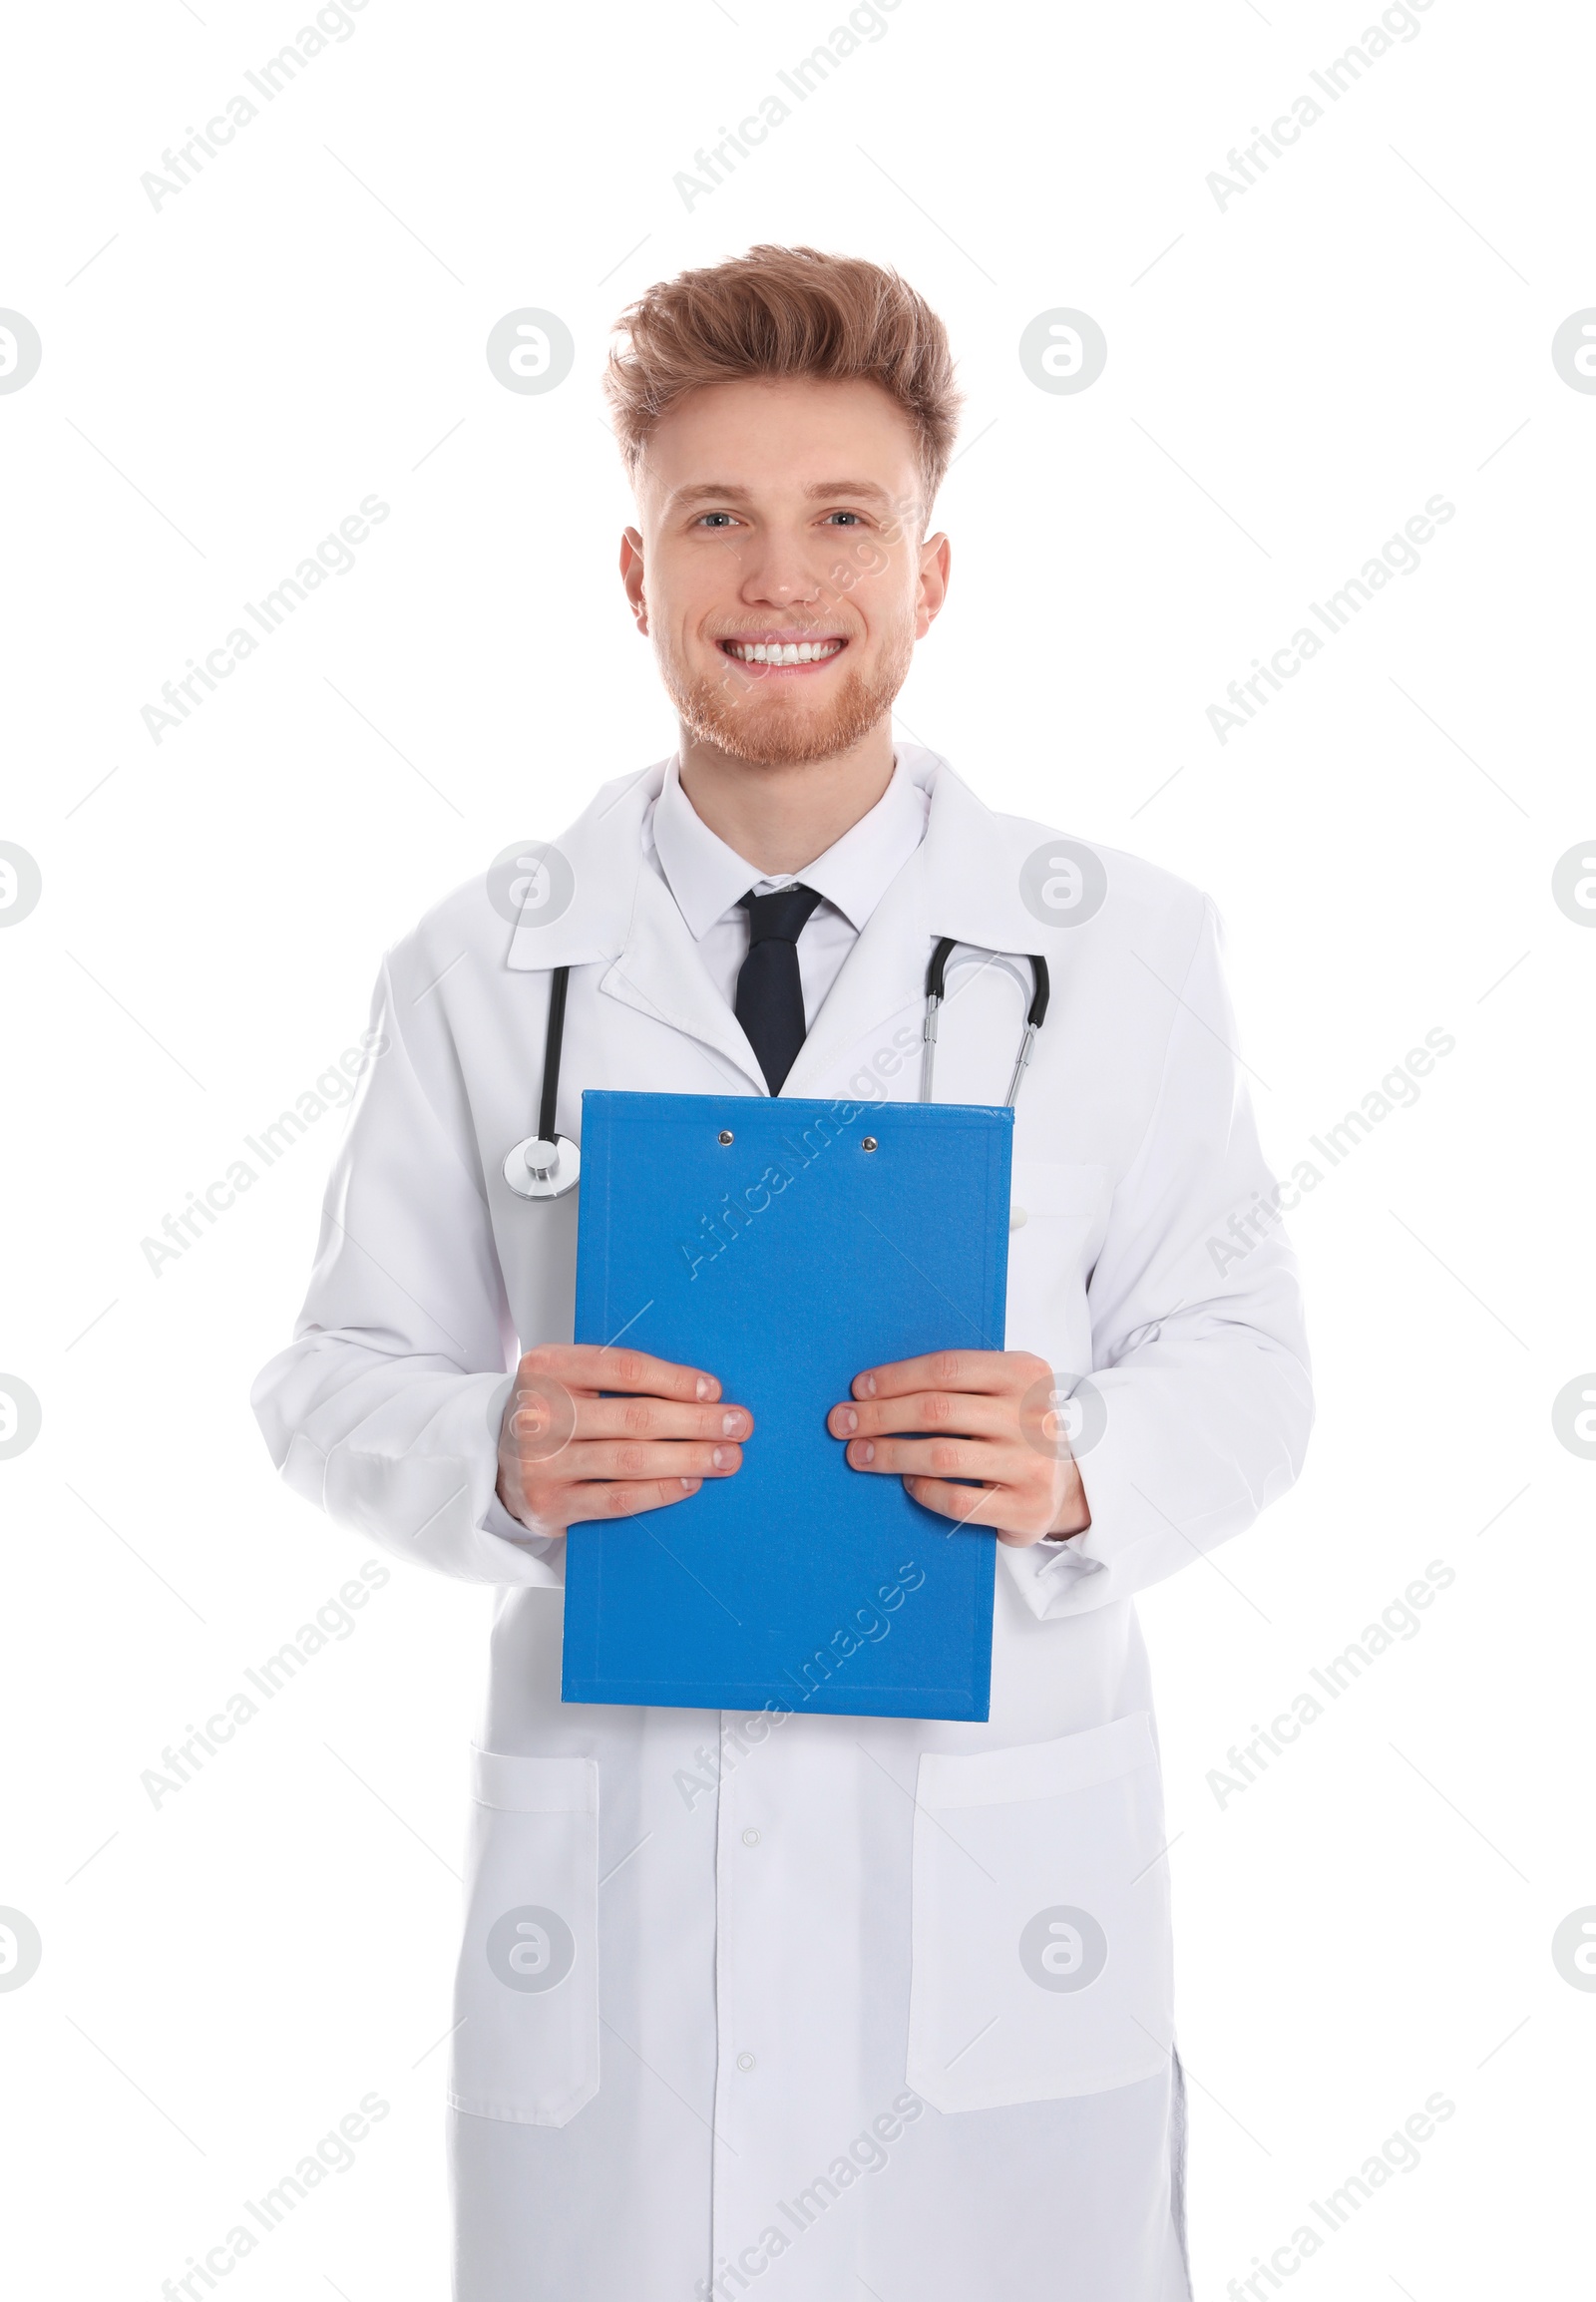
(781,651)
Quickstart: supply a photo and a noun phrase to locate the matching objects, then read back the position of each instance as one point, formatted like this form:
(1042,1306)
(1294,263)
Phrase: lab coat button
(750,1838)
(1017,1218)
(745,2062)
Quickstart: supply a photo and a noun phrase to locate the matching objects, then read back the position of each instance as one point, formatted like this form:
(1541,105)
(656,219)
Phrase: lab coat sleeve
(385,1408)
(1200,1359)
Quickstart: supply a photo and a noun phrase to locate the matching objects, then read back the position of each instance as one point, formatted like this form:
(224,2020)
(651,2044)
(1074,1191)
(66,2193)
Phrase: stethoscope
(546,1165)
(1035,1015)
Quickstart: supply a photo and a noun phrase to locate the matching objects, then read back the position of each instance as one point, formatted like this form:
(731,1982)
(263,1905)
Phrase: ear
(935,560)
(631,575)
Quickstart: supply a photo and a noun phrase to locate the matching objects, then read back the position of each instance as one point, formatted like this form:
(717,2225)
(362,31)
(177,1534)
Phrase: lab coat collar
(620,912)
(603,850)
(964,880)
(970,860)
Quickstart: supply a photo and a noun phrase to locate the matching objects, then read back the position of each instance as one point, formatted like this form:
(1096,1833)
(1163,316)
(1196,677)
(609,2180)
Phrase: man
(809,2006)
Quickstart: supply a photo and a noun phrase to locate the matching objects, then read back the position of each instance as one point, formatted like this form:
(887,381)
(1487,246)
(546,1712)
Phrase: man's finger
(970,1506)
(623,1498)
(981,1415)
(634,1459)
(944,1458)
(611,1366)
(655,1419)
(988,1371)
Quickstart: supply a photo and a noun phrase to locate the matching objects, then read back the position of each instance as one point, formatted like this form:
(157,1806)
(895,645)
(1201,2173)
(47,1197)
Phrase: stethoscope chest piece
(540,1169)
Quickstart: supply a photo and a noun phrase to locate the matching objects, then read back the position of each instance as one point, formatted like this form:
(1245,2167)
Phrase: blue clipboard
(785,1246)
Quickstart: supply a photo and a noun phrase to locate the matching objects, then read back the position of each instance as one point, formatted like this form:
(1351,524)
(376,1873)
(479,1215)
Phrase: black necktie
(770,992)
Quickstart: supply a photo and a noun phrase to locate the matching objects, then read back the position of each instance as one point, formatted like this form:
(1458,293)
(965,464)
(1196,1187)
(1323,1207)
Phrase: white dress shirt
(707,878)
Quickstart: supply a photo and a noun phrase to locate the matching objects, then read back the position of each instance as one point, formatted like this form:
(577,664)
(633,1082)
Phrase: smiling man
(797,2004)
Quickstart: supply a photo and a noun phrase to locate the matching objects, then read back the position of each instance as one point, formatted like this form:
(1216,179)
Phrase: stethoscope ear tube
(936,976)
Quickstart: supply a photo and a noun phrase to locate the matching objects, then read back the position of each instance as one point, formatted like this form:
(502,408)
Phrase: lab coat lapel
(620,912)
(661,973)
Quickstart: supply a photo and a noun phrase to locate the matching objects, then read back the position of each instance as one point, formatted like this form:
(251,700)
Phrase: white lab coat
(800,2008)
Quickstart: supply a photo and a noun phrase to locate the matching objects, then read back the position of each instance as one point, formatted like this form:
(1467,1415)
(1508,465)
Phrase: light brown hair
(785,312)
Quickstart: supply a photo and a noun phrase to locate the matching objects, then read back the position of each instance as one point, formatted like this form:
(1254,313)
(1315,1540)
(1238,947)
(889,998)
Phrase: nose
(777,570)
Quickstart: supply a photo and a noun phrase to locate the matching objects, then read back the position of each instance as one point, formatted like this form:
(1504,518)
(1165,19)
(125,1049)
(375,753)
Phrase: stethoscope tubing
(546,1165)
(554,1039)
(936,976)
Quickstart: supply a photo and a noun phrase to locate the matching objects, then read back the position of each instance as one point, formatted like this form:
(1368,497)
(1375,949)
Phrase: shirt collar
(707,878)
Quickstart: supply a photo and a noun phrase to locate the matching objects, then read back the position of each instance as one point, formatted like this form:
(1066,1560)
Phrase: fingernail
(689,1484)
(720,1457)
(864,1452)
(704,1386)
(869,1388)
(729,1425)
(848,1420)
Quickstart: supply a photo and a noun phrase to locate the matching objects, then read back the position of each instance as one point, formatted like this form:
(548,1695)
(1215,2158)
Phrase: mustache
(791,630)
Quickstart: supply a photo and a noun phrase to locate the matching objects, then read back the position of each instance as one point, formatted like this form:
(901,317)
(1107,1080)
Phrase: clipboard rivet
(725,1135)
(868,1144)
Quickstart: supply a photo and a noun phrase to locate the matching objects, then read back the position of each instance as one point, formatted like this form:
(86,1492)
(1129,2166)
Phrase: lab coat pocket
(1042,1957)
(526,2040)
(1057,1216)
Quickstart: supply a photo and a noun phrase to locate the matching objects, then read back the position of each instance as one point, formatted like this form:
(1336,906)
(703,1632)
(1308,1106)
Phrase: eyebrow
(707,491)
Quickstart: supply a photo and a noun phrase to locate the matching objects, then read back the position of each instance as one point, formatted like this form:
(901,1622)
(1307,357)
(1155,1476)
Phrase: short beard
(739,714)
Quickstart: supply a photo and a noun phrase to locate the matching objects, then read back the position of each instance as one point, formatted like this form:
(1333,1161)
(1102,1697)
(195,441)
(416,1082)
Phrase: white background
(1288,379)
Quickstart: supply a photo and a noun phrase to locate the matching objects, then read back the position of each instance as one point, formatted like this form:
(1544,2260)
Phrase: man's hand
(994,1418)
(566,1453)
